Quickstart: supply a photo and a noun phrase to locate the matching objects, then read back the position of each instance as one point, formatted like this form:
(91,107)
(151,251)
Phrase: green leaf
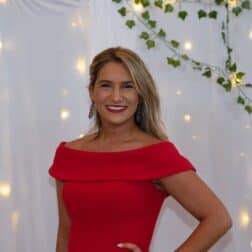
(248,108)
(122,11)
(168,8)
(196,63)
(146,15)
(144,35)
(130,23)
(201,14)
(227,63)
(182,14)
(218,2)
(248,85)
(184,57)
(229,50)
(150,43)
(233,68)
(152,23)
(159,3)
(237,10)
(240,100)
(145,3)
(245,5)
(239,75)
(117,1)
(174,43)
(161,33)
(207,73)
(213,14)
(173,62)
(228,86)
(220,80)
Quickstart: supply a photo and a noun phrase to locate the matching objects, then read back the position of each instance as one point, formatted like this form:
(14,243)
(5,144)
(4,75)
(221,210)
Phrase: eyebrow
(124,82)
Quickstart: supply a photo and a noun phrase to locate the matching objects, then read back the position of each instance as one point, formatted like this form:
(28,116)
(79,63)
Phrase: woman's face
(114,87)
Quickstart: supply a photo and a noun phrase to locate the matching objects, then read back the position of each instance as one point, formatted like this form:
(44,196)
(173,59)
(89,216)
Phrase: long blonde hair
(151,121)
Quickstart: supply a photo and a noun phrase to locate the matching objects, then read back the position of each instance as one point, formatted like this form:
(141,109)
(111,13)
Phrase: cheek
(135,97)
(100,96)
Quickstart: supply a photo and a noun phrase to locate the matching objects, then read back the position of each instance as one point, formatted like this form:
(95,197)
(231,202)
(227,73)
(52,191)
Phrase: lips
(116,108)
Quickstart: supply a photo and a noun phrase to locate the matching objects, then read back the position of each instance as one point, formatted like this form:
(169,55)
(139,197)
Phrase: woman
(112,182)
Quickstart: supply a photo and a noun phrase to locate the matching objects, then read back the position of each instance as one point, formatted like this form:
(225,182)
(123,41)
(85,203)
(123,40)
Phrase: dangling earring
(91,110)
(139,114)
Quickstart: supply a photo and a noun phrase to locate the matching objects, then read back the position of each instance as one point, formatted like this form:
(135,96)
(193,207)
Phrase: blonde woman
(112,182)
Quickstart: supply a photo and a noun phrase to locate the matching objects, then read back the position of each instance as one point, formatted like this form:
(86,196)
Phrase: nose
(116,94)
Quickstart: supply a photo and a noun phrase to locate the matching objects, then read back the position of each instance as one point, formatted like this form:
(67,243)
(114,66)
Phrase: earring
(139,114)
(91,110)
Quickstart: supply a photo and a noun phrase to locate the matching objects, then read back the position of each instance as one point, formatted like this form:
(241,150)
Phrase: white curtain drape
(45,50)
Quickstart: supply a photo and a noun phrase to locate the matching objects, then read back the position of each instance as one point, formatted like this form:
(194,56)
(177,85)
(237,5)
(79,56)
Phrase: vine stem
(229,57)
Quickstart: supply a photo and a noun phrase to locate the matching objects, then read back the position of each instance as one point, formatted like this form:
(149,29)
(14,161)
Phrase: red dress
(109,195)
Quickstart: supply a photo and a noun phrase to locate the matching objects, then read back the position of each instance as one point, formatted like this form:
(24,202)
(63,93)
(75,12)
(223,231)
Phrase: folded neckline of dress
(144,163)
(135,150)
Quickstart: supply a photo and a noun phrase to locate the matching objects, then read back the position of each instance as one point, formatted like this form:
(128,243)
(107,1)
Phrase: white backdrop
(45,50)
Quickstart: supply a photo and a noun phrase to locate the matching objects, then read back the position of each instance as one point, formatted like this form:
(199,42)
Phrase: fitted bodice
(109,196)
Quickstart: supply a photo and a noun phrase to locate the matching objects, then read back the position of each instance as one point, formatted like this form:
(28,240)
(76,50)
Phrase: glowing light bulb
(170,2)
(250,34)
(178,92)
(137,7)
(232,3)
(194,137)
(81,135)
(81,65)
(234,80)
(5,190)
(64,114)
(77,22)
(64,92)
(187,45)
(1,45)
(187,118)
(247,126)
(3,1)
(244,218)
(15,216)
(250,244)
(73,24)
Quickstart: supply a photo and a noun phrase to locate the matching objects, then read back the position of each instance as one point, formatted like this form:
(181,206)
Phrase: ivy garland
(229,77)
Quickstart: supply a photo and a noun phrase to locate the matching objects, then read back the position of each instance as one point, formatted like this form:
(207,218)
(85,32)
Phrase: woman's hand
(133,247)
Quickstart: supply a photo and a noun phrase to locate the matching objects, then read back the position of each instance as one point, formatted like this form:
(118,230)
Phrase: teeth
(116,108)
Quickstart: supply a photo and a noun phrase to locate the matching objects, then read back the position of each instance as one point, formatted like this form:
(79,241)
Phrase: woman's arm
(63,221)
(197,198)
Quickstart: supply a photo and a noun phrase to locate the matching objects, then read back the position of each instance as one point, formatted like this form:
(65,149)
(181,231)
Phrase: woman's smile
(116,109)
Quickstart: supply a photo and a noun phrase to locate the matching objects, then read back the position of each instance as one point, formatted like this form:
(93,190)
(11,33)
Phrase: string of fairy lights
(77,23)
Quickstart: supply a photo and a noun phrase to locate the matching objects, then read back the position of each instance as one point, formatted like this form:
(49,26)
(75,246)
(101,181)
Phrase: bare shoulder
(148,139)
(79,142)
(73,143)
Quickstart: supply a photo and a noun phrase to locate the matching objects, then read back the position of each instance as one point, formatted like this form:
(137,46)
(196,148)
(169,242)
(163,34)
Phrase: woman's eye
(107,85)
(104,85)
